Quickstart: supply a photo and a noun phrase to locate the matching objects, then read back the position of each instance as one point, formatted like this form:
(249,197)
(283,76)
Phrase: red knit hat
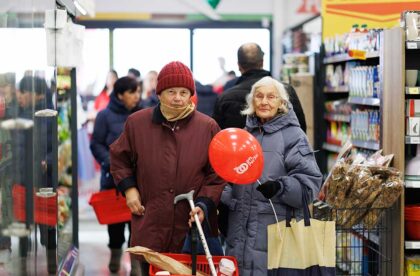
(175,74)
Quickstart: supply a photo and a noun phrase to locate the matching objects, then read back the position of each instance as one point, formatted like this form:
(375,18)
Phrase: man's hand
(200,214)
(133,200)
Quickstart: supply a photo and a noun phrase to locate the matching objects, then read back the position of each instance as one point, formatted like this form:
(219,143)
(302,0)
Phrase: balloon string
(271,203)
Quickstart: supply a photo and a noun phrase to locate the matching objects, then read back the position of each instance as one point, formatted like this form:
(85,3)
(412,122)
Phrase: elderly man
(227,111)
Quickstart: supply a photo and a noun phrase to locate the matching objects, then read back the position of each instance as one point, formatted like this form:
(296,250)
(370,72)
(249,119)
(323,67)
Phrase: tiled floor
(94,252)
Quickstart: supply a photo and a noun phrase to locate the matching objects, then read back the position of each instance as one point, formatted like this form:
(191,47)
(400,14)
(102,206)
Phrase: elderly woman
(290,172)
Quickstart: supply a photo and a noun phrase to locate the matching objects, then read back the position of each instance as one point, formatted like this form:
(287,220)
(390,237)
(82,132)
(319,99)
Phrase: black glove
(269,188)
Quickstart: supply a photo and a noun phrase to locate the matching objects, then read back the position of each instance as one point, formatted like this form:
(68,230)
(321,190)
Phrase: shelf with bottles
(360,81)
(412,121)
(338,111)
(350,57)
(365,128)
(359,43)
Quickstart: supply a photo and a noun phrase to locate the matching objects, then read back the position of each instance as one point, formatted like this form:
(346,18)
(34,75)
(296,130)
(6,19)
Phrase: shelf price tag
(413,90)
(412,45)
(357,54)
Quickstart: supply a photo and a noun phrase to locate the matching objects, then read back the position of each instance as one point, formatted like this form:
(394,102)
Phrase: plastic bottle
(226,267)
(354,37)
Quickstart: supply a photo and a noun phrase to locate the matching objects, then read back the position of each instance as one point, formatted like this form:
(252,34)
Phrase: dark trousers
(116,235)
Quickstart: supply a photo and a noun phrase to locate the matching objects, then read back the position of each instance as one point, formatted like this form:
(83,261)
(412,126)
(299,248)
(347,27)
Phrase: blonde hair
(266,81)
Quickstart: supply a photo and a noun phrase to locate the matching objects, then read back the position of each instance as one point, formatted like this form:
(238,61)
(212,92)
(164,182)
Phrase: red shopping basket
(110,207)
(19,201)
(202,264)
(45,207)
(46,210)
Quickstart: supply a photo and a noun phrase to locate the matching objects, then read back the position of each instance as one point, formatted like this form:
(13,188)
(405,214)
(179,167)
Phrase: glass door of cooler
(38,170)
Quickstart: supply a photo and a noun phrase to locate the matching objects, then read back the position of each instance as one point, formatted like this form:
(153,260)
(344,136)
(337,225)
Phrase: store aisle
(94,253)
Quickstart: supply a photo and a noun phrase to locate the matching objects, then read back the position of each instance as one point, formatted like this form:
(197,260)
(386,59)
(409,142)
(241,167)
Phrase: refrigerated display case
(38,150)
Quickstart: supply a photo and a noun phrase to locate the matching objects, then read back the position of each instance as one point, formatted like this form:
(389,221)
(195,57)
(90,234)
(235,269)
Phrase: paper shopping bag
(305,247)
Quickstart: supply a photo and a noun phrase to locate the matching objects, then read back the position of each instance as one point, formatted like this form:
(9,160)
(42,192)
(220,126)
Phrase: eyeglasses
(270,97)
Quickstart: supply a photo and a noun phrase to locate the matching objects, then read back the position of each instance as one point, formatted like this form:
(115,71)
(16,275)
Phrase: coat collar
(253,73)
(275,124)
(117,106)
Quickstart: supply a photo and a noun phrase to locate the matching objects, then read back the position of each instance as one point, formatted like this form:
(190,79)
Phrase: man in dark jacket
(232,101)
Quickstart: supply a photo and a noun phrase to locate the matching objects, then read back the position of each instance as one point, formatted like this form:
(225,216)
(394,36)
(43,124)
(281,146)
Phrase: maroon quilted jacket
(162,161)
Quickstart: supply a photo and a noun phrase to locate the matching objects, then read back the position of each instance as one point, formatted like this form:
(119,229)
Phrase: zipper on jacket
(173,128)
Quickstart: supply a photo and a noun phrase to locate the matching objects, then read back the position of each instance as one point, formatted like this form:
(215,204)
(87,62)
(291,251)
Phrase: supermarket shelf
(346,57)
(412,140)
(331,147)
(412,245)
(412,90)
(412,44)
(366,145)
(365,101)
(337,117)
(340,89)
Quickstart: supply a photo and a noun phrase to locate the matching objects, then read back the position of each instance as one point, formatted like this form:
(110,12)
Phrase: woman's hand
(200,214)
(133,201)
(269,188)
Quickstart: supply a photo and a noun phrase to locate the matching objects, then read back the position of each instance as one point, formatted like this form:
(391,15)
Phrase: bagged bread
(162,261)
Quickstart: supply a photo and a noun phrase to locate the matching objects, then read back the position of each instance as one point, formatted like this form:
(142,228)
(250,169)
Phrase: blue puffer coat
(288,159)
(109,124)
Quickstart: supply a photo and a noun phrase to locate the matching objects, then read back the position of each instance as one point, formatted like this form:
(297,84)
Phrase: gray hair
(266,81)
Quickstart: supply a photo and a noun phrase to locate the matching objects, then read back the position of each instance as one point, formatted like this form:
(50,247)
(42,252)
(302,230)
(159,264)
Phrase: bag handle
(306,213)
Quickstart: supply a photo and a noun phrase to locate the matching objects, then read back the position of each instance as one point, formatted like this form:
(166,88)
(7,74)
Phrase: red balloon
(236,156)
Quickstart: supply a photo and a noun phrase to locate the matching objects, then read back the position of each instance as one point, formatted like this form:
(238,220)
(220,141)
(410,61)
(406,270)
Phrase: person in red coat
(102,100)
(163,152)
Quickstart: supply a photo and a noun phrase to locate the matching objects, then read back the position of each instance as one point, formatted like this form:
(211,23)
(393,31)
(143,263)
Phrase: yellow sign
(340,15)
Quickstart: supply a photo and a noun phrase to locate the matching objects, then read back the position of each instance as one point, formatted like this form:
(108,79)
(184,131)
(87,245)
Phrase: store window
(91,75)
(149,49)
(215,51)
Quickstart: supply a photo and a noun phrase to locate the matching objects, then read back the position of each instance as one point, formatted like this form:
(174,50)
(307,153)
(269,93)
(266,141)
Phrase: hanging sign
(340,15)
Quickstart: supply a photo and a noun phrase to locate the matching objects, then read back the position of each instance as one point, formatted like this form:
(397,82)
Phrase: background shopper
(108,126)
(102,100)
